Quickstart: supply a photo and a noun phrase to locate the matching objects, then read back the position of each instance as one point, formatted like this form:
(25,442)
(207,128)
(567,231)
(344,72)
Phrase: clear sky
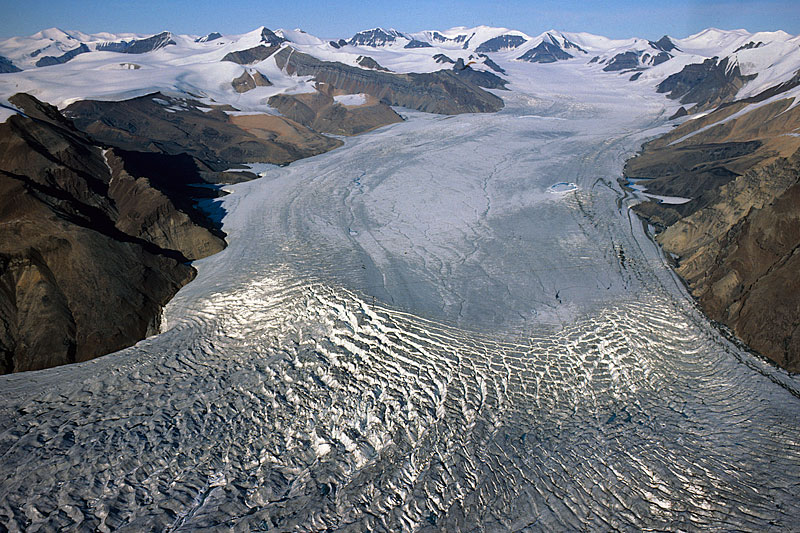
(341,18)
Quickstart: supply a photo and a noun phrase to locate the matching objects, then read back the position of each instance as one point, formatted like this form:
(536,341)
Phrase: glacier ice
(411,333)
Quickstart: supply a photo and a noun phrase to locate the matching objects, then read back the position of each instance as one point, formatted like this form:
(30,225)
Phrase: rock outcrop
(664,44)
(441,58)
(47,61)
(637,60)
(92,243)
(251,55)
(161,124)
(270,38)
(442,92)
(249,80)
(736,243)
(6,66)
(501,42)
(138,46)
(368,62)
(375,37)
(740,257)
(320,112)
(480,78)
(545,52)
(414,43)
(707,84)
(623,61)
(213,36)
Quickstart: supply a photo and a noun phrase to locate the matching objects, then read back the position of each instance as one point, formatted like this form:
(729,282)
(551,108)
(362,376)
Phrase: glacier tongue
(412,333)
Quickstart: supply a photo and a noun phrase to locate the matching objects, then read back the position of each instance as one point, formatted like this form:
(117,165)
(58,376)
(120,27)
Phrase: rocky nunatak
(736,242)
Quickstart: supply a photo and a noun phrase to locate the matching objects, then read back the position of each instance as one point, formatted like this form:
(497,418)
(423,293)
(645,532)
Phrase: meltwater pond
(413,333)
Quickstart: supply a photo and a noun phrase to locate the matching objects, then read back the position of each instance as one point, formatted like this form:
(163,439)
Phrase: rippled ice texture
(412,333)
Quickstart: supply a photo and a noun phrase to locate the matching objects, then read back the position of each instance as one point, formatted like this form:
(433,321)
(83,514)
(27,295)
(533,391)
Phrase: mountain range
(113,139)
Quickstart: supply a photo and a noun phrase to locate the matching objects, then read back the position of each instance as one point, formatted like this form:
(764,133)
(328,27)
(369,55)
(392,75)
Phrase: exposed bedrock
(93,242)
(741,256)
(6,66)
(736,242)
(161,124)
(249,80)
(321,112)
(251,55)
(442,91)
(138,46)
(47,61)
(707,84)
(545,52)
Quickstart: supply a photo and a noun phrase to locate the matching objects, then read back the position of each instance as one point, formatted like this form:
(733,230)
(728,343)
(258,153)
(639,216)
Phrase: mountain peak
(376,37)
(55,34)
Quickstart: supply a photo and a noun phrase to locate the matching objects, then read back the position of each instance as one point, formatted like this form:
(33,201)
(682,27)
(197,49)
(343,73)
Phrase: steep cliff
(92,245)
(736,239)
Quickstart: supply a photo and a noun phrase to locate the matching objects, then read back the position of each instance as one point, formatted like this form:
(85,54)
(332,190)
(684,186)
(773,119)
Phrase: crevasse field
(418,332)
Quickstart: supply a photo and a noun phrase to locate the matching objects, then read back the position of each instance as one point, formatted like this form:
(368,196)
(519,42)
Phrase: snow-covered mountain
(451,320)
(63,66)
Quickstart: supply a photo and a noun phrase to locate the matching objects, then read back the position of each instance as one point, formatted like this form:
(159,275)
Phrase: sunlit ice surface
(449,324)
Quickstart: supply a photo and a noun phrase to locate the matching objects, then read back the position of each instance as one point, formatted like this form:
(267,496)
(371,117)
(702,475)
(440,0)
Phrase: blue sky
(342,18)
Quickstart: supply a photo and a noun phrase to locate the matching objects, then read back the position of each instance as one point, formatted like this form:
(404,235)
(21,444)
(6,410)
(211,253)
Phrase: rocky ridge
(442,91)
(321,112)
(735,241)
(168,125)
(176,114)
(91,245)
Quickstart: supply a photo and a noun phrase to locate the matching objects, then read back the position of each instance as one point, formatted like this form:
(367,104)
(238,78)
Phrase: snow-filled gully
(413,333)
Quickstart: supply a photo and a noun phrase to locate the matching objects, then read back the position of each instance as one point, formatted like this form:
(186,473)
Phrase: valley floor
(415,332)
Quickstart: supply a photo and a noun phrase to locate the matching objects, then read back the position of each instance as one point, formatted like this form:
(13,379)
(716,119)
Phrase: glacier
(413,333)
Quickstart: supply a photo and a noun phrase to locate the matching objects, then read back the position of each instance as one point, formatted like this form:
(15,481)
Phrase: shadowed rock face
(368,62)
(270,38)
(47,61)
(694,171)
(413,43)
(213,36)
(158,123)
(436,92)
(491,64)
(7,66)
(138,46)
(624,61)
(91,243)
(627,61)
(251,55)
(545,52)
(457,39)
(664,44)
(441,58)
(656,59)
(480,78)
(705,84)
(501,42)
(376,37)
(749,46)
